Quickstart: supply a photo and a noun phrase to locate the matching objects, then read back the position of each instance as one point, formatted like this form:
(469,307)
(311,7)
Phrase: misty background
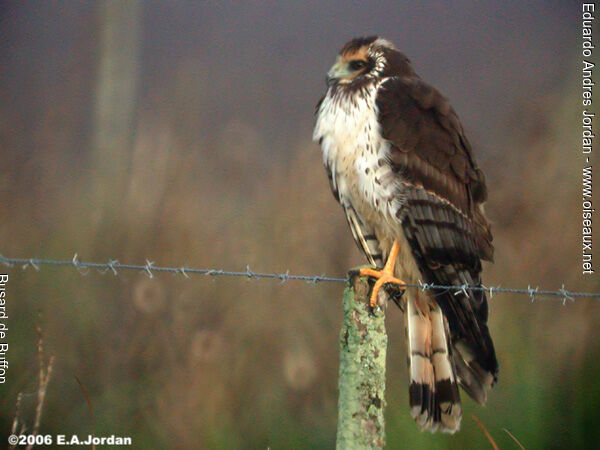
(180,132)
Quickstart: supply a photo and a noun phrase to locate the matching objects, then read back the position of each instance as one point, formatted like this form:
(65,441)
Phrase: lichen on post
(363,344)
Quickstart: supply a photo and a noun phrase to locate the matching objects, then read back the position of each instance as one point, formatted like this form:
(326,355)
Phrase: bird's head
(365,59)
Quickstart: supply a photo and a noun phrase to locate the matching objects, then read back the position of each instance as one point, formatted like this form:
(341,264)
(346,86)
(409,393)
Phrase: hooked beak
(338,70)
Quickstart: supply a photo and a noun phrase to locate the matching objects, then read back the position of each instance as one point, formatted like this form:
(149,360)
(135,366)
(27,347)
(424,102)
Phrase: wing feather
(441,209)
(428,139)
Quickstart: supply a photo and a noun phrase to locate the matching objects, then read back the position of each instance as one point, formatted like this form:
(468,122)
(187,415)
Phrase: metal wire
(114,266)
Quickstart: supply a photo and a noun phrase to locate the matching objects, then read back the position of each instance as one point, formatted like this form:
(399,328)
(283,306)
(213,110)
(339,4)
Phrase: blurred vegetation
(232,363)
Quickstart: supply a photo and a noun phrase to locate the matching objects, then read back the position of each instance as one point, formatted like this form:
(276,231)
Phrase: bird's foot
(385,275)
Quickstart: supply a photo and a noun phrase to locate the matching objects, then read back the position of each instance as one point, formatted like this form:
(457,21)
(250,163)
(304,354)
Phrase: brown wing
(441,211)
(430,146)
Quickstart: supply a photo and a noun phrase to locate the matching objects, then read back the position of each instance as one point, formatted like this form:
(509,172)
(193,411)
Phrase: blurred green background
(180,132)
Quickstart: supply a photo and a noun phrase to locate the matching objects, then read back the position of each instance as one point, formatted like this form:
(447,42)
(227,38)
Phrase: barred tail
(474,377)
(433,393)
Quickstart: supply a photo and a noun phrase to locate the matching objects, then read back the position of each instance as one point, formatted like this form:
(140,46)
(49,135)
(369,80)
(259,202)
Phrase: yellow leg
(385,275)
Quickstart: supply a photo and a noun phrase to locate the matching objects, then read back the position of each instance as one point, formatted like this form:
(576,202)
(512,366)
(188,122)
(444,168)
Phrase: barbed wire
(114,266)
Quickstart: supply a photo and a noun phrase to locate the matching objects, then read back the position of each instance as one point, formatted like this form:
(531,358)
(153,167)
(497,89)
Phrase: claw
(385,275)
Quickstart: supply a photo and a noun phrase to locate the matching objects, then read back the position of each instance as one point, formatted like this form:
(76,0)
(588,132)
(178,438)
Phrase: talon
(385,275)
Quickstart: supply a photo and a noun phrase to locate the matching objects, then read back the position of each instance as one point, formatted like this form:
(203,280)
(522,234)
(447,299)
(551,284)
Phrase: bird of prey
(401,167)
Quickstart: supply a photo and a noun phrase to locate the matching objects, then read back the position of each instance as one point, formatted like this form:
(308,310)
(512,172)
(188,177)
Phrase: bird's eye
(357,64)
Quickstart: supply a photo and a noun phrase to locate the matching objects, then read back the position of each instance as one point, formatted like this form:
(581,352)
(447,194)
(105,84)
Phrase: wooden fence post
(363,344)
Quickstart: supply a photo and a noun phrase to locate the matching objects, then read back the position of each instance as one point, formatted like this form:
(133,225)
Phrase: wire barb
(182,272)
(5,261)
(149,270)
(284,276)
(113,264)
(75,261)
(31,262)
(532,292)
(566,295)
(461,289)
(488,289)
(424,286)
(249,273)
